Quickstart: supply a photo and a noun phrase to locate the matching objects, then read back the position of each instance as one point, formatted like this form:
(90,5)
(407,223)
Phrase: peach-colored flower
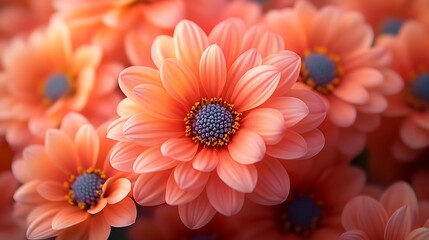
(340,64)
(387,16)
(411,106)
(396,215)
(57,78)
(312,210)
(9,228)
(197,128)
(69,188)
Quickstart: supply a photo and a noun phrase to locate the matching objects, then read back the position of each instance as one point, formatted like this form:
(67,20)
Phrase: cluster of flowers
(214,119)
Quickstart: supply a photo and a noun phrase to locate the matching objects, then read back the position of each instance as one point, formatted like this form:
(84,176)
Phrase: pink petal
(367,77)
(289,65)
(162,48)
(418,234)
(190,41)
(266,42)
(315,142)
(206,160)
(61,150)
(27,193)
(123,156)
(414,136)
(174,195)
(41,228)
(240,177)
(121,214)
(181,149)
(255,87)
(397,195)
(165,14)
(341,113)
(163,108)
(115,130)
(85,56)
(196,213)
(52,191)
(246,61)
(351,92)
(68,217)
(377,103)
(399,224)
(132,76)
(293,109)
(127,107)
(188,178)
(273,183)
(247,147)
(213,71)
(354,234)
(227,35)
(392,83)
(101,204)
(149,189)
(366,214)
(151,160)
(87,144)
(37,161)
(59,42)
(116,190)
(292,146)
(266,122)
(99,228)
(71,123)
(180,82)
(224,199)
(147,131)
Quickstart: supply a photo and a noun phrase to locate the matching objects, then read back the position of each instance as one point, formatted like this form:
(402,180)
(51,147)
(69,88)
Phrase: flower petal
(151,160)
(149,188)
(41,228)
(206,160)
(162,48)
(399,224)
(224,199)
(61,150)
(414,136)
(247,147)
(293,109)
(52,191)
(99,228)
(266,42)
(266,122)
(68,217)
(174,195)
(196,213)
(397,195)
(351,92)
(132,76)
(87,144)
(341,113)
(116,190)
(188,178)
(115,130)
(121,214)
(418,234)
(354,234)
(255,87)
(181,149)
(124,154)
(315,142)
(240,177)
(213,71)
(292,146)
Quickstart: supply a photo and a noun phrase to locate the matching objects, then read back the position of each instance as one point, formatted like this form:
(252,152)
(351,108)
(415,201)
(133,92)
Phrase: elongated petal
(418,234)
(255,87)
(68,217)
(176,196)
(397,195)
(188,178)
(266,42)
(399,224)
(72,122)
(52,191)
(149,189)
(181,149)
(41,227)
(414,136)
(115,130)
(315,142)
(247,147)
(61,150)
(117,190)
(206,160)
(292,146)
(99,228)
(151,160)
(292,108)
(351,93)
(124,154)
(266,122)
(240,177)
(196,213)
(87,144)
(354,234)
(121,214)
(132,76)
(162,48)
(224,199)
(180,82)
(289,64)
(213,71)
(273,183)
(341,113)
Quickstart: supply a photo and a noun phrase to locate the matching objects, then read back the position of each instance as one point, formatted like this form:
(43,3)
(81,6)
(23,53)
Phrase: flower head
(69,188)
(198,127)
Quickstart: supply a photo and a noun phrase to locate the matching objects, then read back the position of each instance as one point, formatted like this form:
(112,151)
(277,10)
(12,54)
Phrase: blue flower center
(418,97)
(212,122)
(56,87)
(391,26)
(301,215)
(85,190)
(320,71)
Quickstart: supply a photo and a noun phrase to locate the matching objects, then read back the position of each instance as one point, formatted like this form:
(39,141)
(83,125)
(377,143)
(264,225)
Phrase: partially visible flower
(312,210)
(69,188)
(410,107)
(341,65)
(198,128)
(45,77)
(394,216)
(9,228)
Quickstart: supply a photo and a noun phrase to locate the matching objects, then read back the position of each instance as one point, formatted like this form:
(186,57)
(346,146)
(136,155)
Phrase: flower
(340,64)
(58,78)
(69,188)
(198,127)
(394,216)
(410,107)
(312,210)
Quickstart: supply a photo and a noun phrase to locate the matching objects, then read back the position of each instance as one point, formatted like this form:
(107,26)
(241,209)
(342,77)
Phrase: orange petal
(292,146)
(341,113)
(149,189)
(121,214)
(165,14)
(162,48)
(52,191)
(247,147)
(72,122)
(41,228)
(68,217)
(188,178)
(132,76)
(87,144)
(181,149)
(352,92)
(117,190)
(151,160)
(205,160)
(266,42)
(61,150)
(293,109)
(256,121)
(397,195)
(224,199)
(124,154)
(98,228)
(196,213)
(213,71)
(399,224)
(115,130)
(174,195)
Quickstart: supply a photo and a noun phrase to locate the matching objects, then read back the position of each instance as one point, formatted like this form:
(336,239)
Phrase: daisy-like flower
(58,78)
(340,64)
(387,17)
(396,215)
(198,126)
(69,188)
(312,210)
(411,106)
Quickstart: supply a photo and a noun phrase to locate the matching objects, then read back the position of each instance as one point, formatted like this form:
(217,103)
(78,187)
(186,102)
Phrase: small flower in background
(341,65)
(201,145)
(58,78)
(69,188)
(396,215)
